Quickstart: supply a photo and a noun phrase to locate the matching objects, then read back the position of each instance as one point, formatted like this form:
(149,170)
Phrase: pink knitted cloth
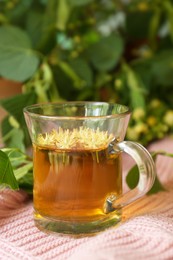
(145,233)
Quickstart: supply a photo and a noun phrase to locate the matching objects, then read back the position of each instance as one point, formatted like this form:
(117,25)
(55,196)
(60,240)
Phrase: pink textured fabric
(145,233)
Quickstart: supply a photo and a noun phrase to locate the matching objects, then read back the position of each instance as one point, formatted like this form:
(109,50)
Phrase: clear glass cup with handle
(77,154)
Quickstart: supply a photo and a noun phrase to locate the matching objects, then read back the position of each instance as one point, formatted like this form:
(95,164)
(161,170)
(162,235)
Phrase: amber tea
(73,183)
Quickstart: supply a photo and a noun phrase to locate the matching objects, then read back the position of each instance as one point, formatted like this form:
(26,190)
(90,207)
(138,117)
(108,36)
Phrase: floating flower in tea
(78,138)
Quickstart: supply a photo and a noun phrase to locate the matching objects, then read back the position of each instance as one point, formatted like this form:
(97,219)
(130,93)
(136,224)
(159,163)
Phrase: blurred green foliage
(107,50)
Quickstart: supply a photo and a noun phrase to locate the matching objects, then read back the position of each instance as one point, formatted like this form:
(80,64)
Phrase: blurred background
(108,50)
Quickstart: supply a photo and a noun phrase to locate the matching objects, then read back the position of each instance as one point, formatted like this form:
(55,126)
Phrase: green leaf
(16,139)
(83,70)
(70,72)
(63,12)
(14,105)
(13,122)
(12,137)
(133,178)
(17,157)
(13,36)
(168,6)
(63,83)
(34,24)
(161,68)
(157,186)
(136,86)
(156,71)
(5,127)
(22,166)
(6,172)
(23,170)
(154,27)
(40,27)
(26,182)
(137,24)
(106,53)
(17,60)
(19,10)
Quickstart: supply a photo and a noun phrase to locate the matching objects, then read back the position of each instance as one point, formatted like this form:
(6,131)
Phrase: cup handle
(147,174)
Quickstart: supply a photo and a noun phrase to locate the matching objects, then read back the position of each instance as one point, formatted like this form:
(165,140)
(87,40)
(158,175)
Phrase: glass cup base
(79,228)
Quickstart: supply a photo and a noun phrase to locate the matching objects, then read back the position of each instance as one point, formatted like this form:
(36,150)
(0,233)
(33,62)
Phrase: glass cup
(77,154)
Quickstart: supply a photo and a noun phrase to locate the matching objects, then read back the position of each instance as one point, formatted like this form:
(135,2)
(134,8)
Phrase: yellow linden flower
(138,113)
(143,6)
(141,128)
(77,138)
(168,118)
(131,134)
(147,54)
(151,120)
(118,83)
(155,103)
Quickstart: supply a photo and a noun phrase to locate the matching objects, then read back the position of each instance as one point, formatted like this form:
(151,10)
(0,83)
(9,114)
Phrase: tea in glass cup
(77,153)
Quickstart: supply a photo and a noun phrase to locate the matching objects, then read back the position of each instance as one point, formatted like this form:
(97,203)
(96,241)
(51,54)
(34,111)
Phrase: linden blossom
(82,137)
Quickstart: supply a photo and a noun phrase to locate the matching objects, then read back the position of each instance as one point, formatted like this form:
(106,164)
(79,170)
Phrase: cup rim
(75,103)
